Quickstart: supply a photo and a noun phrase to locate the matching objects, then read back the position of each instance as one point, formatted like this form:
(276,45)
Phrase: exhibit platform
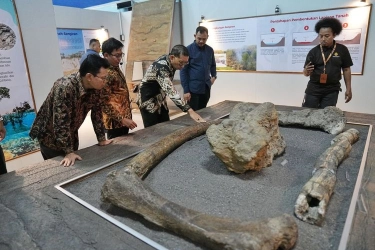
(47,206)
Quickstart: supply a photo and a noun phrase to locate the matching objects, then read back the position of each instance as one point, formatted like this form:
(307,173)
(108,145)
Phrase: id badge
(323,78)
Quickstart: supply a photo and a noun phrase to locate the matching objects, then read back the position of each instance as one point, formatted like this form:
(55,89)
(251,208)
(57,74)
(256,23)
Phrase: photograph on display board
(280,43)
(73,43)
(17,105)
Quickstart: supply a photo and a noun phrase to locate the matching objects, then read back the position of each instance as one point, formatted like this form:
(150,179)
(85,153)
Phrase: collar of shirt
(325,48)
(78,78)
(200,48)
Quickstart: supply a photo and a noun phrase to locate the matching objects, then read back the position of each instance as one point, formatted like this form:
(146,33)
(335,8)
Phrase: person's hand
(348,95)
(106,142)
(195,116)
(213,79)
(187,97)
(309,68)
(129,123)
(70,159)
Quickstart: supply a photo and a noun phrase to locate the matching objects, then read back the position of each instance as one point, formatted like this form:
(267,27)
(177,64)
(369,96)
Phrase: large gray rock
(330,119)
(249,139)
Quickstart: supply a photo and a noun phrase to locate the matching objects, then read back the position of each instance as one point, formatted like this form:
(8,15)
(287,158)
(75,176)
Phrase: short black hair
(179,50)
(92,64)
(201,29)
(93,41)
(110,45)
(329,22)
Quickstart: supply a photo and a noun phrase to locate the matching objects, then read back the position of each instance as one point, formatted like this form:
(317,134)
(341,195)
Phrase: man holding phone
(324,64)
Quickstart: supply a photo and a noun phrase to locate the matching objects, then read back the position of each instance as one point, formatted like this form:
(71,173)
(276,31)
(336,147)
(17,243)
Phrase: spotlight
(277,9)
(202,18)
(102,27)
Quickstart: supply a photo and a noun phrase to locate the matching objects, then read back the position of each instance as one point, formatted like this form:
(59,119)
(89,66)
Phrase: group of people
(100,86)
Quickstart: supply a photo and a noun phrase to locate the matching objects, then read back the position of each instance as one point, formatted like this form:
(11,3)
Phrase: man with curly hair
(324,64)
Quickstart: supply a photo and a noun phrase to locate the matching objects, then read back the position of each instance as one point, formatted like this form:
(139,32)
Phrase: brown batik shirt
(116,101)
(63,112)
(156,85)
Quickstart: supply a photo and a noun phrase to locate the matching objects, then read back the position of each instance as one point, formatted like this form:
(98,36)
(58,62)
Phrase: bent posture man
(63,112)
(157,84)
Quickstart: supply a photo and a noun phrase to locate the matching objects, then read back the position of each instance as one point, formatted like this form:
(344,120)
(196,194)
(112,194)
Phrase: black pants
(199,101)
(320,101)
(49,153)
(116,132)
(150,119)
(3,166)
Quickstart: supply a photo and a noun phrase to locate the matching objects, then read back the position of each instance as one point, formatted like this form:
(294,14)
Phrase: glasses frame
(118,56)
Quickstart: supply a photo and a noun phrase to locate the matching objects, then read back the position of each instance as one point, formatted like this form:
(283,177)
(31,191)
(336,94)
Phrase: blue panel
(80,3)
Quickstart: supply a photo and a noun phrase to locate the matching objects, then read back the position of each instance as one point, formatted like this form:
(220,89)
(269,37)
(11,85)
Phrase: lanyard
(324,58)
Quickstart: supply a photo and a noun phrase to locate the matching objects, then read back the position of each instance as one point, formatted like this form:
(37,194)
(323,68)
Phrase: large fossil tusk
(312,202)
(124,188)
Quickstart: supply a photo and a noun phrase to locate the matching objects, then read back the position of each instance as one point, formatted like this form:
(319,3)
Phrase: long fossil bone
(124,188)
(312,202)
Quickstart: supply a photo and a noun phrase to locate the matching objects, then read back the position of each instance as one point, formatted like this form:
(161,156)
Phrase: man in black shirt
(324,64)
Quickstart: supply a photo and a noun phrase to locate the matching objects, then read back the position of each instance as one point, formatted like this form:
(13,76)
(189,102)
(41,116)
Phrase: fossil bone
(312,202)
(249,139)
(124,188)
(330,119)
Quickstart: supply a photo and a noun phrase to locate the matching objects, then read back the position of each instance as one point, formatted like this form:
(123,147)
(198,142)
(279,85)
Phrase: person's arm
(63,100)
(167,86)
(108,97)
(97,122)
(348,83)
(184,76)
(213,68)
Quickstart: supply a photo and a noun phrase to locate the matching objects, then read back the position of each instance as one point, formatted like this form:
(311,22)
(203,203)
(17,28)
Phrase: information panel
(280,43)
(16,102)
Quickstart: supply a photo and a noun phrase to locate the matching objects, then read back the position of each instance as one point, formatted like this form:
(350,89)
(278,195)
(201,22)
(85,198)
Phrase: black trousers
(150,119)
(3,166)
(116,132)
(199,101)
(49,153)
(320,101)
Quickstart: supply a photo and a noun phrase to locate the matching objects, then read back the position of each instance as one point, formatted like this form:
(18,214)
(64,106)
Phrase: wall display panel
(73,43)
(280,43)
(16,99)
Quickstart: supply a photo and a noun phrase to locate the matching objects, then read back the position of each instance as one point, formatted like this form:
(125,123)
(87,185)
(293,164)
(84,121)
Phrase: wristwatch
(214,77)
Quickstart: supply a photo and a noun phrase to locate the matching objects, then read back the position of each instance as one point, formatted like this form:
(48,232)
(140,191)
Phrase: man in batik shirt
(63,112)
(117,116)
(157,84)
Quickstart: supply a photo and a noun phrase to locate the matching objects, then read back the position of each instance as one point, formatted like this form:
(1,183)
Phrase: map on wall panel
(272,40)
(280,43)
(305,39)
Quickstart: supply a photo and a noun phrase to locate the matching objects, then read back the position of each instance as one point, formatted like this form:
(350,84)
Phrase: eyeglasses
(104,78)
(118,55)
(182,63)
